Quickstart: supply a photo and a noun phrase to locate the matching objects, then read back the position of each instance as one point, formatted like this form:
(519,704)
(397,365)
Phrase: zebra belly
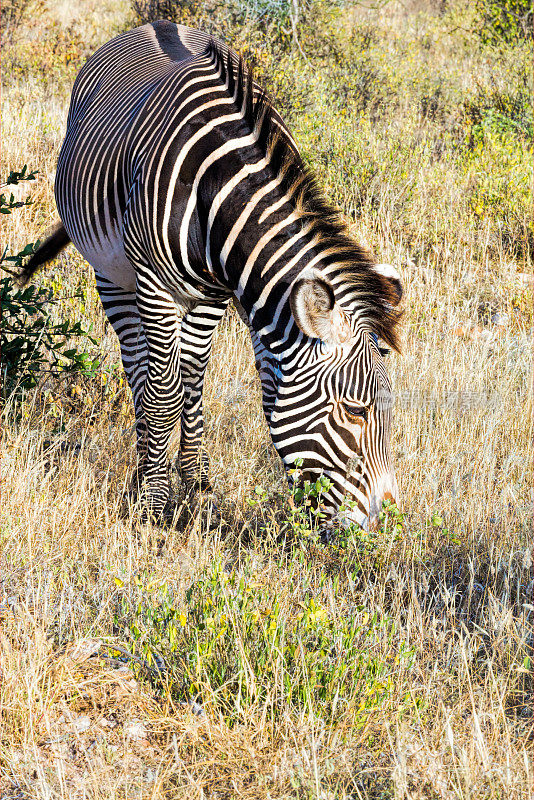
(107,257)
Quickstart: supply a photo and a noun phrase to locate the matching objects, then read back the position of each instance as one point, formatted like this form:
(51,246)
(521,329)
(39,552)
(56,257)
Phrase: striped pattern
(182,187)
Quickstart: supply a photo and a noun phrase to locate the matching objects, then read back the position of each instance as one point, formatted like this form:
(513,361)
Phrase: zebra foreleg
(163,393)
(121,310)
(196,337)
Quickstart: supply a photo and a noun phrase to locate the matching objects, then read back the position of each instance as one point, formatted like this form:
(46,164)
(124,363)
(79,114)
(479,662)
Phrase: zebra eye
(359,412)
(384,351)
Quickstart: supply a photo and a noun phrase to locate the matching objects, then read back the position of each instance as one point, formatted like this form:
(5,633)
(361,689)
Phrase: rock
(194,707)
(500,319)
(80,724)
(82,650)
(127,678)
(135,730)
(126,683)
(197,709)
(124,672)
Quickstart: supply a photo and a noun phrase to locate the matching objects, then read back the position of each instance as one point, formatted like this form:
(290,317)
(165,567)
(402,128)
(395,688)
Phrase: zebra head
(331,408)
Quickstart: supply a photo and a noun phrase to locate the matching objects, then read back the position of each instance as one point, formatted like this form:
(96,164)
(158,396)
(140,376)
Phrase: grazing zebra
(182,187)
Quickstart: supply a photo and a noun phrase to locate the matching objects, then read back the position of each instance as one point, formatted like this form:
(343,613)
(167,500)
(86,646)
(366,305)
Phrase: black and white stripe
(182,186)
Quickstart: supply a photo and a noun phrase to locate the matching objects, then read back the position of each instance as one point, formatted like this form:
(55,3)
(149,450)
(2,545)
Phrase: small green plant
(260,495)
(32,345)
(437,522)
(234,641)
(306,512)
(391,518)
(371,543)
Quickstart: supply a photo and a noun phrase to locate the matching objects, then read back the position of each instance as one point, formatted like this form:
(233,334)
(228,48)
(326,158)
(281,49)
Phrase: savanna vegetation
(234,655)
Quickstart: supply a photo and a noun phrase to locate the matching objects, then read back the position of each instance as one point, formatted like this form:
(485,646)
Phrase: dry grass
(451,720)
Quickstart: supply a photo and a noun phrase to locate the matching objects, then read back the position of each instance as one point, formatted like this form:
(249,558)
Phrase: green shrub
(33,346)
(57,55)
(497,164)
(507,21)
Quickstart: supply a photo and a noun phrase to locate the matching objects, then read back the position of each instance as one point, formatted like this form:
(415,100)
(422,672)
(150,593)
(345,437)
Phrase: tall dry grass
(452,589)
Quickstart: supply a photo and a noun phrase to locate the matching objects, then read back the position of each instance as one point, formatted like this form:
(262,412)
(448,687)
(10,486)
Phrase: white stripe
(223,150)
(243,218)
(251,260)
(220,197)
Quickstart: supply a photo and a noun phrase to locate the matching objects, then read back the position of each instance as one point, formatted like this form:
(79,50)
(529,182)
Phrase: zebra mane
(349,265)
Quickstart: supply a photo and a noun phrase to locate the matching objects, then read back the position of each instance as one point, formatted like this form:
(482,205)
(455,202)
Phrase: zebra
(180,184)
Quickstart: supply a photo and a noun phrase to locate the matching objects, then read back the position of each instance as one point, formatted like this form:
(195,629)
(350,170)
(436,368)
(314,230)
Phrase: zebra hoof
(327,536)
(192,480)
(154,512)
(150,501)
(172,515)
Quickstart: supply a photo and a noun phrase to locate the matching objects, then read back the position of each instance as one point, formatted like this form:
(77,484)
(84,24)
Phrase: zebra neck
(257,241)
(275,334)
(260,270)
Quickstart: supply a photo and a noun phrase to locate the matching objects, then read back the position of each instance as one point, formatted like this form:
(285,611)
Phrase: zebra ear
(392,278)
(313,305)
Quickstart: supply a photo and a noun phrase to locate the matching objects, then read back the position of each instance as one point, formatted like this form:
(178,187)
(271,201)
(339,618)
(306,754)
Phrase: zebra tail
(49,249)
